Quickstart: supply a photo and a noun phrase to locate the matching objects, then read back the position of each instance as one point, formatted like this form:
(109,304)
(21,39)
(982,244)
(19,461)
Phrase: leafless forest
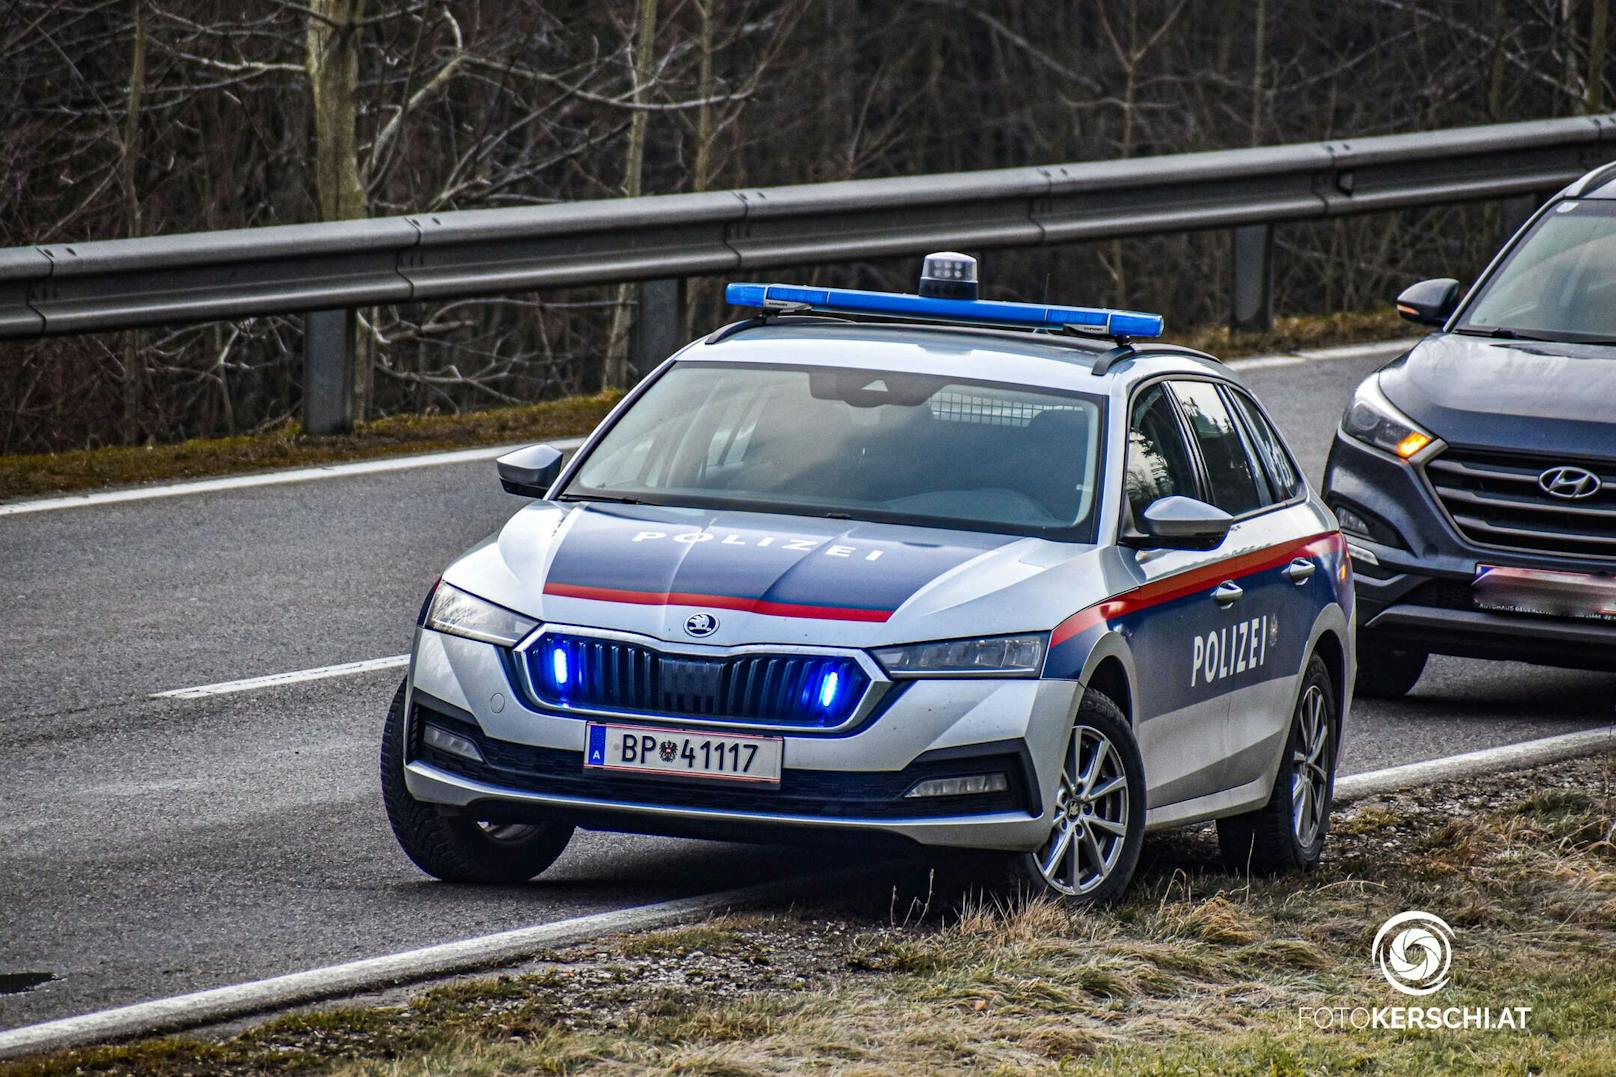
(137,117)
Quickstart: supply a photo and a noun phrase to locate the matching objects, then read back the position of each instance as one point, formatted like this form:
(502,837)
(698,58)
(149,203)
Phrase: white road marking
(1347,351)
(257,996)
(1519,756)
(267,478)
(220,1003)
(276,680)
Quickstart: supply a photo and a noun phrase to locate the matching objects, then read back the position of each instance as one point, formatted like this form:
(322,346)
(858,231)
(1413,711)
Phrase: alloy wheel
(1310,761)
(1091,815)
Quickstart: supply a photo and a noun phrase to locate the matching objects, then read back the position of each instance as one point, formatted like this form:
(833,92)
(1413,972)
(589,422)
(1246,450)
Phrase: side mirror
(1183,523)
(1429,302)
(530,471)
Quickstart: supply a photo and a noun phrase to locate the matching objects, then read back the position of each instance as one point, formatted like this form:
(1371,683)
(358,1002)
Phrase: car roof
(1042,360)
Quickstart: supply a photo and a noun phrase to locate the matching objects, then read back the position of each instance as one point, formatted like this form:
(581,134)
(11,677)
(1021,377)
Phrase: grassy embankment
(48,473)
(1198,972)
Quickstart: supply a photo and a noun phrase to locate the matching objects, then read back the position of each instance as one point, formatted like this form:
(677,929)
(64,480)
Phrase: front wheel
(1287,834)
(455,847)
(1098,823)
(1387,672)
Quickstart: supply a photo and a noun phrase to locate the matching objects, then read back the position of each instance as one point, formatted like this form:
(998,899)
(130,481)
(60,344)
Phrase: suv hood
(1533,396)
(773,578)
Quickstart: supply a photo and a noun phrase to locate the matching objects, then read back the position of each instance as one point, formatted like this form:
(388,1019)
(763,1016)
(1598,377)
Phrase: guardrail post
(1252,286)
(328,372)
(659,325)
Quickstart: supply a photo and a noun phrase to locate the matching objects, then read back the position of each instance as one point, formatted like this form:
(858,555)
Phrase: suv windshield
(1559,283)
(855,444)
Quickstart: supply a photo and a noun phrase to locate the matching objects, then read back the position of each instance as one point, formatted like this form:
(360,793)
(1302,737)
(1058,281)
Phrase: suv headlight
(997,656)
(1374,419)
(459,614)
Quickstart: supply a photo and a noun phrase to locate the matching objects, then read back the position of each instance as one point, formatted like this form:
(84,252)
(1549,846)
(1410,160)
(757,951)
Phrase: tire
(1099,812)
(1287,834)
(1387,672)
(454,847)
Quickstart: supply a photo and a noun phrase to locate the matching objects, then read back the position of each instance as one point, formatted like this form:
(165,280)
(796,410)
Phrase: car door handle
(1226,594)
(1300,570)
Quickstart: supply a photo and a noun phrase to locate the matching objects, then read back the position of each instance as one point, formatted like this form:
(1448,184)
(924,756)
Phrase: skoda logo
(1569,482)
(701,624)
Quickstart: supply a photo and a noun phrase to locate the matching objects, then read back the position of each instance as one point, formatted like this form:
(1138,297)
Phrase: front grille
(1495,499)
(812,691)
(824,793)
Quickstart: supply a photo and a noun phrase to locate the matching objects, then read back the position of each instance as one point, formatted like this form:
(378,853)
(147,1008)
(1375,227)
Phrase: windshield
(855,444)
(1559,283)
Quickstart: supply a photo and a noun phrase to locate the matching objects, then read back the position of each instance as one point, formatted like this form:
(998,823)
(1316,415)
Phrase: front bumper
(1413,586)
(832,784)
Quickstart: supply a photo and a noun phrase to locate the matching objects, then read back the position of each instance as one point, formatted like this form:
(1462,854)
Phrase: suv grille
(815,691)
(1496,500)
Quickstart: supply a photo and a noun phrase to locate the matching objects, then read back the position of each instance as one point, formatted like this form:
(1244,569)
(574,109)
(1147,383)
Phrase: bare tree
(616,376)
(160,116)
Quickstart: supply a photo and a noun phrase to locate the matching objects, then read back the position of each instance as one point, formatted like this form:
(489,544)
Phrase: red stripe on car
(721,602)
(1196,579)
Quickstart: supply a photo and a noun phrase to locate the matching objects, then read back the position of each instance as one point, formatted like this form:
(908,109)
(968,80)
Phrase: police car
(970,574)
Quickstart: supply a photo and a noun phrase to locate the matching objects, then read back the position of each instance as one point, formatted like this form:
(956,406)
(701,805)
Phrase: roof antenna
(1046,287)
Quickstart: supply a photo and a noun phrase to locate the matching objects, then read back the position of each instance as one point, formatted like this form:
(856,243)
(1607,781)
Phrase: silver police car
(968,574)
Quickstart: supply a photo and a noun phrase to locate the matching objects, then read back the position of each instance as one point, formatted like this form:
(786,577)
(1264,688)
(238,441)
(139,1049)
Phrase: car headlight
(1374,419)
(459,614)
(998,656)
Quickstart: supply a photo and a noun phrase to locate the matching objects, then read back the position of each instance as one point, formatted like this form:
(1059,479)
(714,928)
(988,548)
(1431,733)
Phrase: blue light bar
(1097,320)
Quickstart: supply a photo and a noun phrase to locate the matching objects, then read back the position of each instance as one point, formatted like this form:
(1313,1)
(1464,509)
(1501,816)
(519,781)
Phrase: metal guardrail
(329,269)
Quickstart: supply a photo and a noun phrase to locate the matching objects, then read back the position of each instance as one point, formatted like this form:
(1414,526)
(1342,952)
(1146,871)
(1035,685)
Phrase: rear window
(1283,477)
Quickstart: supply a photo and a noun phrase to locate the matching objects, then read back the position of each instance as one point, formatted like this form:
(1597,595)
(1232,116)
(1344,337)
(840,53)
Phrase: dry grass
(287,446)
(1198,972)
(1297,333)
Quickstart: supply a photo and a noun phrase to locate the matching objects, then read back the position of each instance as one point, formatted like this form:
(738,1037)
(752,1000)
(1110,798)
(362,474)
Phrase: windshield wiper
(608,499)
(1499,332)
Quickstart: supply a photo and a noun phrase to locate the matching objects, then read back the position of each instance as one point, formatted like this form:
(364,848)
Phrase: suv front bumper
(1414,577)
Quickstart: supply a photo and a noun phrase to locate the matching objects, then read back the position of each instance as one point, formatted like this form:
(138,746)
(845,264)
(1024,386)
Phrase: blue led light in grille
(747,689)
(827,690)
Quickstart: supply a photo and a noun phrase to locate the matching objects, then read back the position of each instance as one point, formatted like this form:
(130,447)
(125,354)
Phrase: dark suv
(1475,476)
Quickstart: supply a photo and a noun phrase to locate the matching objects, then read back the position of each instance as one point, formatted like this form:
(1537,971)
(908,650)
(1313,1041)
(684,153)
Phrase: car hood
(1509,394)
(774,578)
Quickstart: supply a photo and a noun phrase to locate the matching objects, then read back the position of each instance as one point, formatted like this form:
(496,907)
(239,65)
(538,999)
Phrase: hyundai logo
(1569,482)
(705,624)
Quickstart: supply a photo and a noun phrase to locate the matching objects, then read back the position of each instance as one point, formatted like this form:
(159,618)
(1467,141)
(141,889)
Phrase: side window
(1228,467)
(1282,474)
(1158,460)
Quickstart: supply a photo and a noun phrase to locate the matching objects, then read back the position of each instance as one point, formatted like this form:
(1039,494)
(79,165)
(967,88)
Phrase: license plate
(644,750)
(1585,595)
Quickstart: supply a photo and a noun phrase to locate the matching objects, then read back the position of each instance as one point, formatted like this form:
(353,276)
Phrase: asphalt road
(149,847)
